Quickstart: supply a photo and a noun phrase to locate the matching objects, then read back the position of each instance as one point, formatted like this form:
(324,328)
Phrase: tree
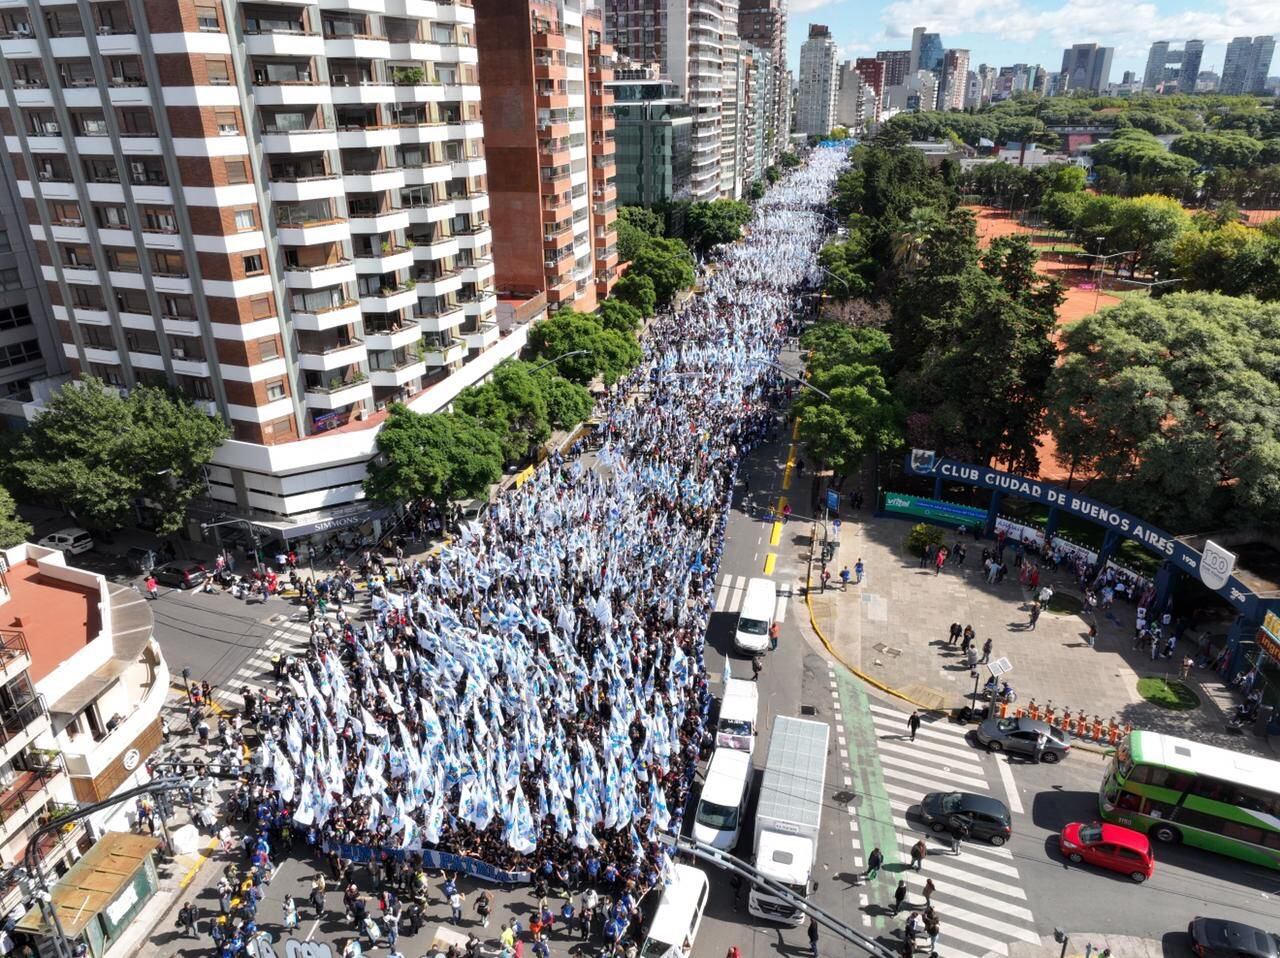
(512,406)
(850,270)
(437,458)
(667,263)
(711,223)
(615,314)
(1231,149)
(756,192)
(567,403)
(1171,407)
(95,452)
(922,536)
(788,160)
(13,528)
(636,226)
(636,290)
(607,353)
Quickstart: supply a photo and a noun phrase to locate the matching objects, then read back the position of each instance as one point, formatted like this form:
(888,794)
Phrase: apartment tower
(1088,66)
(819,83)
(280,209)
(1247,63)
(550,150)
(763,24)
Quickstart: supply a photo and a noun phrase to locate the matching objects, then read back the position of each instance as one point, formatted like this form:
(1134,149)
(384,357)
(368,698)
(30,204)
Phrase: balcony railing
(27,791)
(14,721)
(13,643)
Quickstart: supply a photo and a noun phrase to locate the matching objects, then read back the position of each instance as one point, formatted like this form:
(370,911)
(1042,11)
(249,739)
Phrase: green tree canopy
(636,290)
(1171,408)
(668,265)
(438,458)
(607,353)
(512,406)
(1230,148)
(13,528)
(711,223)
(636,226)
(94,452)
(567,403)
(616,314)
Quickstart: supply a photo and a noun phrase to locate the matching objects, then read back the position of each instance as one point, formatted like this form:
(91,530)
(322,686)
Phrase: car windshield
(753,626)
(720,817)
(735,727)
(951,802)
(1090,833)
(1007,724)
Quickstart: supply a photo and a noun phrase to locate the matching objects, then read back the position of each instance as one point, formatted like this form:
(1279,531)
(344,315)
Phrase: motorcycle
(997,692)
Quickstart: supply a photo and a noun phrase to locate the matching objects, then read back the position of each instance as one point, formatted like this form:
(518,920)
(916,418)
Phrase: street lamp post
(797,379)
(839,279)
(576,352)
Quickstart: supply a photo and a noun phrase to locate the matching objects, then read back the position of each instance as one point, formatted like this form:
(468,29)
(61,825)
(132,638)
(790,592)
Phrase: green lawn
(1167,693)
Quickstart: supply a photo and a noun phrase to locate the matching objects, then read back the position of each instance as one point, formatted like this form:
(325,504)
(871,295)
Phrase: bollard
(1019,712)
(1113,733)
(1004,708)
(1097,729)
(1033,710)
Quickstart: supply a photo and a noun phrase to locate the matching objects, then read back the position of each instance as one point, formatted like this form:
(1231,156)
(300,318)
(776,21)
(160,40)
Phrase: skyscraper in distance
(1247,63)
(954,81)
(763,24)
(1087,66)
(816,101)
(1173,70)
(897,65)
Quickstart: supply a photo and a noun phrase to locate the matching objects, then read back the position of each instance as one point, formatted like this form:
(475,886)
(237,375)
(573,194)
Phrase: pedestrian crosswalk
(979,897)
(730,590)
(291,634)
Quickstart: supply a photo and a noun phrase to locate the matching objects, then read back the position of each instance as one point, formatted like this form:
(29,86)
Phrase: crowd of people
(533,697)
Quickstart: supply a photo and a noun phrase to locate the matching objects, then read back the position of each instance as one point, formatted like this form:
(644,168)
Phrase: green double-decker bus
(1177,790)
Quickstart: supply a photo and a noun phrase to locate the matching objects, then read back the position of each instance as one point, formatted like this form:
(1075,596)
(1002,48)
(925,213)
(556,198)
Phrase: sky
(1001,32)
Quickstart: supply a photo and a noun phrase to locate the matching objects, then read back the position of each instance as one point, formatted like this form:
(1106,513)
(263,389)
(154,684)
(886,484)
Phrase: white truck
(789,814)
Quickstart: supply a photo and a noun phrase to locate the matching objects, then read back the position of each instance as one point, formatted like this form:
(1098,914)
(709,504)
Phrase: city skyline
(1035,31)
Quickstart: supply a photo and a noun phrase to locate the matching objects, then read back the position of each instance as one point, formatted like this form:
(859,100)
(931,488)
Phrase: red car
(1109,846)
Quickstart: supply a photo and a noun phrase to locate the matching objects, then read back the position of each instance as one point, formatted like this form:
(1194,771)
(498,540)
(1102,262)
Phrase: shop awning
(320,526)
(92,883)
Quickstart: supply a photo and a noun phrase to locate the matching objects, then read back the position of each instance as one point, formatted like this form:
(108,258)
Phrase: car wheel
(1138,877)
(938,827)
(1075,857)
(1050,758)
(994,746)
(997,840)
(1167,834)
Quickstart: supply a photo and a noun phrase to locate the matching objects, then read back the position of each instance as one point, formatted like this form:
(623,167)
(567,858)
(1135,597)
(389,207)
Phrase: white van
(675,923)
(755,616)
(723,805)
(739,713)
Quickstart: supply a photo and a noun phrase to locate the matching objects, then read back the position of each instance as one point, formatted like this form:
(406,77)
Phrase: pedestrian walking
(931,929)
(826,577)
(187,919)
(757,665)
(958,835)
(775,631)
(919,851)
(953,636)
(844,579)
(913,724)
(813,937)
(858,571)
(153,587)
(1187,662)
(290,908)
(986,652)
(899,896)
(929,889)
(874,861)
(939,560)
(455,906)
(1035,615)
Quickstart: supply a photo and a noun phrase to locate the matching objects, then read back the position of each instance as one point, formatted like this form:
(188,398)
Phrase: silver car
(1020,735)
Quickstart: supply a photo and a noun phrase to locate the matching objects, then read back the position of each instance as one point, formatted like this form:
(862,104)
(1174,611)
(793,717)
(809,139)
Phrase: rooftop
(58,617)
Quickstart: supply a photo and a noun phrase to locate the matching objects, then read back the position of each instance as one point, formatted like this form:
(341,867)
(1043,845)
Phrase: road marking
(960,781)
(941,871)
(769,561)
(780,612)
(775,536)
(938,755)
(312,933)
(1010,787)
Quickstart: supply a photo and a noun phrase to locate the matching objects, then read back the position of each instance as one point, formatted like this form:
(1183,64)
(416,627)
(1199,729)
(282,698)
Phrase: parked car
(1220,938)
(140,559)
(983,817)
(72,541)
(1112,847)
(181,573)
(1019,735)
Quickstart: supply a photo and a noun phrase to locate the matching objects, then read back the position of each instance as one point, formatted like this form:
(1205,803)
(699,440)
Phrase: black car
(1219,938)
(981,816)
(182,573)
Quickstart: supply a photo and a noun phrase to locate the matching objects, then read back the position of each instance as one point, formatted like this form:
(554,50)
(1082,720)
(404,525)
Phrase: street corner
(1082,944)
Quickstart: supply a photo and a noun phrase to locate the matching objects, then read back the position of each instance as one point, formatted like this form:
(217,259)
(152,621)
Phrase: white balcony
(381,223)
(467,168)
(450,319)
(378,181)
(427,175)
(343,315)
(390,261)
(454,352)
(318,277)
(368,138)
(481,303)
(284,44)
(486,336)
(369,92)
(291,94)
(449,283)
(425,252)
(398,376)
(435,213)
(191,367)
(391,302)
(300,141)
(308,188)
(337,357)
(478,272)
(337,397)
(475,239)
(96,354)
(406,335)
(314,233)
(356,48)
(475,203)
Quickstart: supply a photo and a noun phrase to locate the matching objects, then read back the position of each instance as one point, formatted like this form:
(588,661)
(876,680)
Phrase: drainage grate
(808,710)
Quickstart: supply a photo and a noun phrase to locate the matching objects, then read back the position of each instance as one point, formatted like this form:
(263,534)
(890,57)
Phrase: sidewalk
(1121,946)
(893,630)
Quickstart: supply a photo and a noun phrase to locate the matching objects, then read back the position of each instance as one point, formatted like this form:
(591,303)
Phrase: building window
(207,17)
(217,71)
(15,316)
(9,279)
(245,219)
(4,241)
(280,429)
(260,307)
(268,348)
(237,171)
(253,264)
(228,122)
(15,354)
(275,390)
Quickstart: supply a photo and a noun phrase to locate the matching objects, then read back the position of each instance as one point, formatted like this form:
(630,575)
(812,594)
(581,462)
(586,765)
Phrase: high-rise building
(955,77)
(732,104)
(759,111)
(763,24)
(1246,66)
(280,210)
(926,51)
(654,140)
(550,147)
(1173,71)
(816,103)
(897,65)
(1087,66)
(872,72)
(684,37)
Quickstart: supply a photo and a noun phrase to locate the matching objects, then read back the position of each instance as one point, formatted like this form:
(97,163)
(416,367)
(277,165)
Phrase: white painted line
(985,944)
(950,913)
(945,875)
(780,614)
(941,728)
(934,755)
(894,767)
(946,951)
(848,781)
(721,596)
(312,933)
(841,740)
(1010,787)
(844,754)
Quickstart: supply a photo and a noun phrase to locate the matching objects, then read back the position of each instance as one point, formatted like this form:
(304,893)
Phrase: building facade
(955,78)
(654,141)
(1087,66)
(1173,71)
(1247,63)
(29,347)
(763,25)
(872,72)
(926,51)
(544,81)
(897,64)
(733,95)
(818,83)
(279,209)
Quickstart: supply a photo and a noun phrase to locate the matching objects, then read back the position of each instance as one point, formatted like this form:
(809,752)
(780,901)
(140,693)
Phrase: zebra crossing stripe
(934,745)
(923,751)
(960,781)
(944,950)
(982,942)
(952,913)
(940,870)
